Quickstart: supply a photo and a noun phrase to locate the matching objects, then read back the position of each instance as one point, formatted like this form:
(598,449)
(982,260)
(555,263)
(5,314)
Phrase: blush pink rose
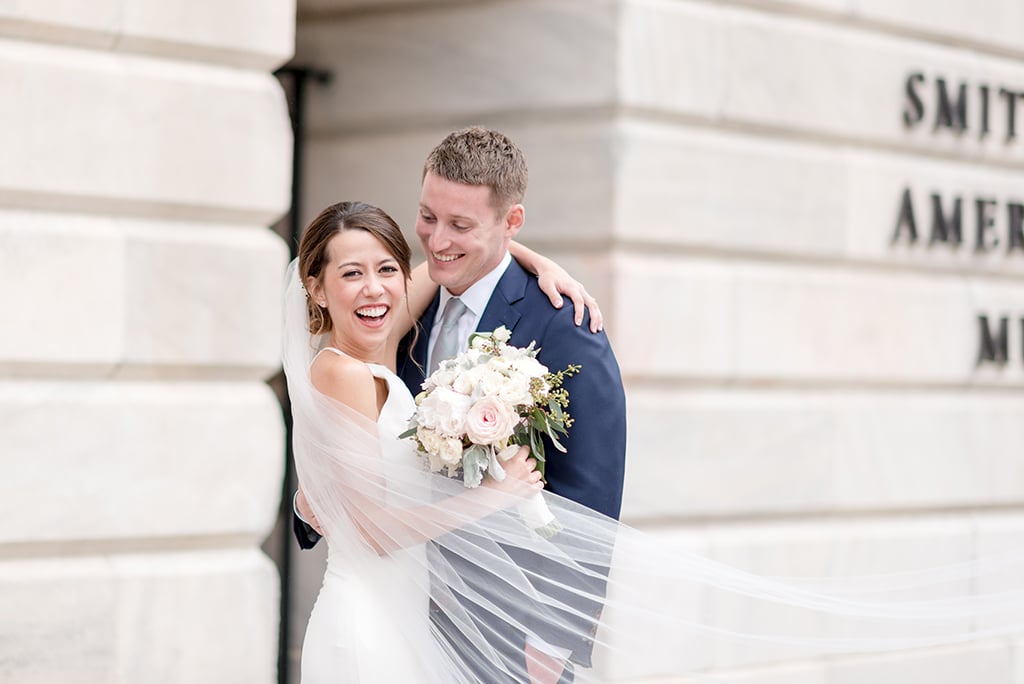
(489,421)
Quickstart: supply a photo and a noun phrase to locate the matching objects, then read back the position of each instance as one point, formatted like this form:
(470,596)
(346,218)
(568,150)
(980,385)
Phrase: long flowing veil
(482,581)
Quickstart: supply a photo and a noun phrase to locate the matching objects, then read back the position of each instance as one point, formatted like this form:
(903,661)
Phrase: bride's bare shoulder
(347,380)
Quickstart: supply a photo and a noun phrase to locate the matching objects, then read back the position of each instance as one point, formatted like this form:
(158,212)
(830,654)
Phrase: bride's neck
(378,355)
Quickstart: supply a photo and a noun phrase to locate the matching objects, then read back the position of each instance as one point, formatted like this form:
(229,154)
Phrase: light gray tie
(448,343)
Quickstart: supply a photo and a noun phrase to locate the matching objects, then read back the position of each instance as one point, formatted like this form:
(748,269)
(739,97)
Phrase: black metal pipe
(297,77)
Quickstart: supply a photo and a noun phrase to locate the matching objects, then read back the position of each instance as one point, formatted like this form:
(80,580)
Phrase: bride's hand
(555,281)
(521,475)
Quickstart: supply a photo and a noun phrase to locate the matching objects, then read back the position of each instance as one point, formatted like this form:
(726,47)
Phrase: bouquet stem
(538,517)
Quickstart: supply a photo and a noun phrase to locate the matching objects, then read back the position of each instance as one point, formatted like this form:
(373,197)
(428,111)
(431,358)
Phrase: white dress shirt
(475,298)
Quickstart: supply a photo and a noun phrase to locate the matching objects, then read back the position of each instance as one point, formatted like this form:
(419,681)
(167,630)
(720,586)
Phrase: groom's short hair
(481,156)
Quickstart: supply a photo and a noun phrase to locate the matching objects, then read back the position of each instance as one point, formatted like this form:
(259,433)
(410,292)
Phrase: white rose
(516,390)
(445,411)
(451,451)
(500,364)
(489,421)
(430,440)
(471,358)
(519,352)
(465,382)
(443,377)
(530,366)
(431,443)
(502,334)
(490,382)
(468,381)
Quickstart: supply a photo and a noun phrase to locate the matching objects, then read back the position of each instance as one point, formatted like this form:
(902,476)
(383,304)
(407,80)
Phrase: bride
(392,528)
(376,505)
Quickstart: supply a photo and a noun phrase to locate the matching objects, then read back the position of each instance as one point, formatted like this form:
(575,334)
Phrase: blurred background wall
(145,148)
(803,220)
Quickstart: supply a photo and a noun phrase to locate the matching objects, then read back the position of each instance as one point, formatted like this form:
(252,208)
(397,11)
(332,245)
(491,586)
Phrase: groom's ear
(514,219)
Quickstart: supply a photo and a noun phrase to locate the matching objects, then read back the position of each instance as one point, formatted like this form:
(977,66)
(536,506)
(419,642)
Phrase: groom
(470,209)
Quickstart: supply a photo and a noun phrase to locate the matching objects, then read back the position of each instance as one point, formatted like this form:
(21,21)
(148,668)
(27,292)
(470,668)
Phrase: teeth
(373,311)
(446,258)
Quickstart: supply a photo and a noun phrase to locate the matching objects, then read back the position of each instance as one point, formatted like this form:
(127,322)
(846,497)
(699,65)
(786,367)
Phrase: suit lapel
(500,308)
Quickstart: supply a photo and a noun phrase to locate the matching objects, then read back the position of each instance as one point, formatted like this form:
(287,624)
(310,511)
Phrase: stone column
(146,148)
(728,177)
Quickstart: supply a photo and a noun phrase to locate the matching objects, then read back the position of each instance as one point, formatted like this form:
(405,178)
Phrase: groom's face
(463,235)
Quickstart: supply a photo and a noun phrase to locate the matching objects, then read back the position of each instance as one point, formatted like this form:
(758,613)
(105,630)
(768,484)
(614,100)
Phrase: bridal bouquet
(477,409)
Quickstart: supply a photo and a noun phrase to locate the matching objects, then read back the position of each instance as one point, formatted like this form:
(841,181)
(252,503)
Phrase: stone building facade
(803,219)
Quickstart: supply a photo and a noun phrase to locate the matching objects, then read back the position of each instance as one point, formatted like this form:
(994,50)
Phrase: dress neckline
(367,363)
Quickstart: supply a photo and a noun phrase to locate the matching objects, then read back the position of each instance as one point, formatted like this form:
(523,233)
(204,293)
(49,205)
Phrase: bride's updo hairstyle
(313,255)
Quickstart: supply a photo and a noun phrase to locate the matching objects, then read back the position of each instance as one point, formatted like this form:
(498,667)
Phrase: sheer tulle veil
(485,581)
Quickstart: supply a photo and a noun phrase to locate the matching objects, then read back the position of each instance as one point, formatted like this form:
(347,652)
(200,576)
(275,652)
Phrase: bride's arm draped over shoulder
(555,280)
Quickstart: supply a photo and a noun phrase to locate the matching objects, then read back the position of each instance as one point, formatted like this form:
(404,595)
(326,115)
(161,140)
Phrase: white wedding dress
(350,636)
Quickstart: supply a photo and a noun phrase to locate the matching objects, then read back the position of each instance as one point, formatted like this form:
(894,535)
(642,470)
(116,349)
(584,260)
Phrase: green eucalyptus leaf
(474,462)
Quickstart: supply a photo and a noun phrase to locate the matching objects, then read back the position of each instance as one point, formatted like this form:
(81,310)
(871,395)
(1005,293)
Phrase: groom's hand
(543,668)
(305,512)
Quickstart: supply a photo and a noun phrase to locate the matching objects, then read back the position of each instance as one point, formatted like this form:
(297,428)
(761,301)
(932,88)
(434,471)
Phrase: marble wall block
(138,298)
(736,193)
(706,453)
(256,35)
(134,144)
(984,663)
(787,76)
(808,554)
(760,322)
(954,22)
(393,68)
(170,617)
(313,10)
(126,461)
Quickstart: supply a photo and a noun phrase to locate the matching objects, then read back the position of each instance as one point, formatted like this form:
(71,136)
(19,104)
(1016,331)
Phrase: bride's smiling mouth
(373,314)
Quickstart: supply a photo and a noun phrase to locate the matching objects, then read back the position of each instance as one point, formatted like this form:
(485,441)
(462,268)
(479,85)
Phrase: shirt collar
(479,293)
